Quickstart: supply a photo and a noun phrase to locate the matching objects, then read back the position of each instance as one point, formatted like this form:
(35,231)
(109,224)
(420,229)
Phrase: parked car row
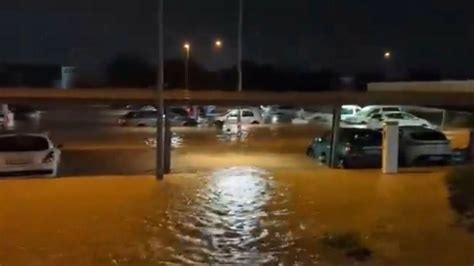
(360,147)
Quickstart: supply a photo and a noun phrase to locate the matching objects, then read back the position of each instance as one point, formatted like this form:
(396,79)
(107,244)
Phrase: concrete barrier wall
(424,86)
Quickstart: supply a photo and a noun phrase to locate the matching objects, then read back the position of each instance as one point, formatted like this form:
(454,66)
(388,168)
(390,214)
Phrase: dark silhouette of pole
(239,62)
(160,129)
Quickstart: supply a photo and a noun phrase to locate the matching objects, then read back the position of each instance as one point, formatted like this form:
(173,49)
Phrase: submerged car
(421,145)
(363,115)
(349,111)
(281,114)
(376,121)
(177,117)
(250,116)
(27,154)
(357,148)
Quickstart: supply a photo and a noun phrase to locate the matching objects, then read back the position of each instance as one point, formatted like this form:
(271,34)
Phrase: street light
(218,43)
(387,55)
(187,48)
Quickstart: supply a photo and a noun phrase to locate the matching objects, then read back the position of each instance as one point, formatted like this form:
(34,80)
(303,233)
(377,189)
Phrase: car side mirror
(60,146)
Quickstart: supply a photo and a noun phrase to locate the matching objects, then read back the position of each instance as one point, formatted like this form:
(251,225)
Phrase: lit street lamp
(387,55)
(187,48)
(218,43)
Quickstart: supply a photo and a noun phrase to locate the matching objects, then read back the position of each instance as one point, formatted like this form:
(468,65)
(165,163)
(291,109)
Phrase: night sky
(345,35)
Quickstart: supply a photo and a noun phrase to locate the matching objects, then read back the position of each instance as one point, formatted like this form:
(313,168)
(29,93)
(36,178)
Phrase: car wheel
(309,152)
(402,160)
(322,158)
(344,164)
(219,124)
(255,123)
(141,125)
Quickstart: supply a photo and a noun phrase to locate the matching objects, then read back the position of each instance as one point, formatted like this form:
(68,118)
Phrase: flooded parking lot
(229,201)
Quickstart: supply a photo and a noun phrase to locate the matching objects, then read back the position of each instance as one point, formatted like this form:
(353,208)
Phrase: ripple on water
(230,220)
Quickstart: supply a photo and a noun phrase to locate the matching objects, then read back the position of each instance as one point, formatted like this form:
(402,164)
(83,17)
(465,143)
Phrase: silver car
(144,118)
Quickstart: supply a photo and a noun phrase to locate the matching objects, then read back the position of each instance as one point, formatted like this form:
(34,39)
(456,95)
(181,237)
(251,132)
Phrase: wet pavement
(257,201)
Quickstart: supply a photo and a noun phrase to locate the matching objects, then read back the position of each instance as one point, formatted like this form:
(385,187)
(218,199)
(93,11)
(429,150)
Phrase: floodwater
(231,215)
(257,201)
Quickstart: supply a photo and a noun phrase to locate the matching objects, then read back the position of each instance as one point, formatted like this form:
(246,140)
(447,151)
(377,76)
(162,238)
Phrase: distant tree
(127,70)
(424,74)
(363,78)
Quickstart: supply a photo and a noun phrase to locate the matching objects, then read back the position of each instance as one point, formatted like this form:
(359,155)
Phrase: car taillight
(49,157)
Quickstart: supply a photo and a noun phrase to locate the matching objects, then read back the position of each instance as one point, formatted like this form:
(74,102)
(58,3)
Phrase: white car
(363,115)
(24,154)
(403,119)
(250,116)
(282,114)
(423,145)
(349,111)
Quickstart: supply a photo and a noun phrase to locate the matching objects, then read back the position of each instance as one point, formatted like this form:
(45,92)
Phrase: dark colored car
(356,148)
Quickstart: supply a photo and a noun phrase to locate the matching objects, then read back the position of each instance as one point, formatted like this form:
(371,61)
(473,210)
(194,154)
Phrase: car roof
(353,130)
(381,106)
(393,112)
(416,129)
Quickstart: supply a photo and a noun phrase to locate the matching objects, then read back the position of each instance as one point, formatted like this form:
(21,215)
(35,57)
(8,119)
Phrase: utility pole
(160,128)
(239,62)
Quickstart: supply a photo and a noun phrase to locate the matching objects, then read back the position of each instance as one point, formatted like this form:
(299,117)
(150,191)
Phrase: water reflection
(224,222)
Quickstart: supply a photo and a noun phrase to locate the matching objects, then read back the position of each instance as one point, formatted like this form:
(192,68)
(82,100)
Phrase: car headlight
(49,157)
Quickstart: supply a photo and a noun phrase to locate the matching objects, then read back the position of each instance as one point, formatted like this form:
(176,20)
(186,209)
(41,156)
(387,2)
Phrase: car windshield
(395,116)
(179,111)
(132,115)
(365,111)
(428,135)
(346,111)
(362,137)
(23,143)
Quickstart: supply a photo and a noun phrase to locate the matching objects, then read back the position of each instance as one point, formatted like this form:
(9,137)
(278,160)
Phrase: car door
(411,120)
(150,118)
(397,117)
(375,121)
(247,116)
(232,116)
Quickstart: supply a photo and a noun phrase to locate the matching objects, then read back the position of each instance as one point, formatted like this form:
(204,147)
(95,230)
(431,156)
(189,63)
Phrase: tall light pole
(387,56)
(187,49)
(239,61)
(160,129)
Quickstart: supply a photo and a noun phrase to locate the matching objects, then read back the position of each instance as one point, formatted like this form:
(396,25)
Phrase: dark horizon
(347,37)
